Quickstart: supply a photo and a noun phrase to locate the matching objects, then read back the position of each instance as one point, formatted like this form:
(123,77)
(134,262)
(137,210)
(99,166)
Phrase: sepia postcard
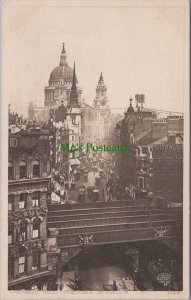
(94,149)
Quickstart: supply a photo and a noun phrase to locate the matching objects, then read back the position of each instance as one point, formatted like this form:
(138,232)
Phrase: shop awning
(55,198)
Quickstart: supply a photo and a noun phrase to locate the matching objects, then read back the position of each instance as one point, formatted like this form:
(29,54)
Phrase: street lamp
(134,277)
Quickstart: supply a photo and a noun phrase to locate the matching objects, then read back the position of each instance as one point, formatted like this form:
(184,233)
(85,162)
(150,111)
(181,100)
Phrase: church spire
(74,78)
(73,94)
(101,77)
(63,56)
(63,49)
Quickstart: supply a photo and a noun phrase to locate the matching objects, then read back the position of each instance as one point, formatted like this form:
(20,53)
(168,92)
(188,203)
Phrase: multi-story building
(155,163)
(59,158)
(28,197)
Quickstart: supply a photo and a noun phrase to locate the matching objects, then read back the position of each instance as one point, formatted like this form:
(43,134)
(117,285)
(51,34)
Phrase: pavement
(66,282)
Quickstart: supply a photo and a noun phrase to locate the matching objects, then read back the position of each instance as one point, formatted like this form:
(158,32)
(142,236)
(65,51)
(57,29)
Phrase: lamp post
(134,277)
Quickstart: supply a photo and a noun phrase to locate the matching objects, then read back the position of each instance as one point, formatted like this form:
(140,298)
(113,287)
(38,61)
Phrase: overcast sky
(138,50)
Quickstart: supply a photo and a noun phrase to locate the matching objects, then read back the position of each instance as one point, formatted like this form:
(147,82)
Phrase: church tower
(100,100)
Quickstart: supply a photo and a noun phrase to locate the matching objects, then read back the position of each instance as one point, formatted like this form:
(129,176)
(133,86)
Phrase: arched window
(36,228)
(11,171)
(23,169)
(36,168)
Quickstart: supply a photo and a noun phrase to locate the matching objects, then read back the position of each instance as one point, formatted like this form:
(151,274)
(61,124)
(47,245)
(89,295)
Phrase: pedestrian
(103,194)
(115,287)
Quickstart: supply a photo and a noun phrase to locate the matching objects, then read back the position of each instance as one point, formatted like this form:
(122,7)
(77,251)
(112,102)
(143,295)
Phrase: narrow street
(97,270)
(92,177)
(98,267)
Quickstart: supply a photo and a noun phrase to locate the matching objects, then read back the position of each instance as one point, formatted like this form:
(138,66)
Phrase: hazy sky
(138,49)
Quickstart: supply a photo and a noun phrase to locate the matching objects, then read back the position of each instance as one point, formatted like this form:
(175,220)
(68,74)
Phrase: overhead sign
(26,142)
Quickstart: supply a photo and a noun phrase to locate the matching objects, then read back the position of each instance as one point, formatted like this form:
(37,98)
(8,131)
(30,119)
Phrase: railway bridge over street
(87,224)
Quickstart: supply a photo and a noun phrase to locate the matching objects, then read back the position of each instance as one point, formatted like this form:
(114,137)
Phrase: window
(10,202)
(23,231)
(23,169)
(11,171)
(10,234)
(10,266)
(36,168)
(140,183)
(35,199)
(23,201)
(35,260)
(22,264)
(36,228)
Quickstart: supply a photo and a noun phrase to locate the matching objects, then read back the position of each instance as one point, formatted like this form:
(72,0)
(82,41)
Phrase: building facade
(28,197)
(155,162)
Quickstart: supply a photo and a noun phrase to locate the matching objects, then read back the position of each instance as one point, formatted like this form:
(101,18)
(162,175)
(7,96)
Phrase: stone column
(29,231)
(29,168)
(29,200)
(29,262)
(43,261)
(16,170)
(16,266)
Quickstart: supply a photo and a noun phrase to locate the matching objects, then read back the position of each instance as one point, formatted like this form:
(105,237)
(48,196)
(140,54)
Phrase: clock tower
(100,100)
